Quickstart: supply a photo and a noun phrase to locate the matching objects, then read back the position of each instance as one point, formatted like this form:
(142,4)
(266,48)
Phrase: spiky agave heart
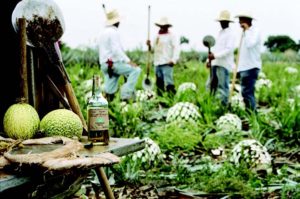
(291,70)
(187,86)
(237,102)
(229,123)
(252,153)
(144,95)
(263,83)
(150,153)
(183,111)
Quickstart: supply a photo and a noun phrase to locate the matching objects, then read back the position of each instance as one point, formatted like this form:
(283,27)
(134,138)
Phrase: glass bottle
(97,114)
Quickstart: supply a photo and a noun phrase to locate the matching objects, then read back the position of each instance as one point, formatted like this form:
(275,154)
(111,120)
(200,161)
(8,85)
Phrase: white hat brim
(113,21)
(224,20)
(246,16)
(159,24)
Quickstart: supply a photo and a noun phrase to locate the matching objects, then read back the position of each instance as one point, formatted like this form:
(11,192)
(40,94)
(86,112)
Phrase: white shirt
(250,50)
(224,49)
(165,49)
(110,46)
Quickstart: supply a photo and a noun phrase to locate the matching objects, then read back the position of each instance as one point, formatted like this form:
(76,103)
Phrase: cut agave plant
(229,123)
(252,153)
(145,95)
(187,86)
(183,111)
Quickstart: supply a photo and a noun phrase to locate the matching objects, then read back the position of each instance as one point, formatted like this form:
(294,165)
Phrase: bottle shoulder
(97,100)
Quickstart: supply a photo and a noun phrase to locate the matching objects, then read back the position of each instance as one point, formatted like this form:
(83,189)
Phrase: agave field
(195,148)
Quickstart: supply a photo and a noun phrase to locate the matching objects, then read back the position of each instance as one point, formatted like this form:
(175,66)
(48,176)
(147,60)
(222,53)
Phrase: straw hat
(246,15)
(224,16)
(163,22)
(112,17)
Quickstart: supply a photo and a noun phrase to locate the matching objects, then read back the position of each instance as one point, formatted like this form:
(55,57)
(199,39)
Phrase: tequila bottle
(97,114)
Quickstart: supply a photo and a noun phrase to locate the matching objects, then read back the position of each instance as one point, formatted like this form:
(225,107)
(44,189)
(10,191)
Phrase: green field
(198,153)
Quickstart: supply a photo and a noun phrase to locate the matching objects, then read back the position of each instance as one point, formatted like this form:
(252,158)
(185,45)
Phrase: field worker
(166,54)
(249,59)
(114,61)
(222,58)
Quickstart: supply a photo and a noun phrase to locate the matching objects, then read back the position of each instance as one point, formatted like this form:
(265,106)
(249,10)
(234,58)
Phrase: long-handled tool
(235,69)
(54,58)
(104,9)
(147,84)
(209,42)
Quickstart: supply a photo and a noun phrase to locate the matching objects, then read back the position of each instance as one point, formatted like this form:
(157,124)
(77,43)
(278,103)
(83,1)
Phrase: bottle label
(98,118)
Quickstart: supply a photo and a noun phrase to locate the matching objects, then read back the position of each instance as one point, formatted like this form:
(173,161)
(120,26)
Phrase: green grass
(187,146)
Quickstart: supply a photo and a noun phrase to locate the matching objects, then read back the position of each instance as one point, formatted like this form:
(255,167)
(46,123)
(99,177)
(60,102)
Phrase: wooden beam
(23,59)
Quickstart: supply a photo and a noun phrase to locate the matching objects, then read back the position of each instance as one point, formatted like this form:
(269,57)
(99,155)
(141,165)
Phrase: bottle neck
(96,86)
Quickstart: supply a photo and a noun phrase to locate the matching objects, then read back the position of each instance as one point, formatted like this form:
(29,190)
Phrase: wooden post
(23,58)
(104,182)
